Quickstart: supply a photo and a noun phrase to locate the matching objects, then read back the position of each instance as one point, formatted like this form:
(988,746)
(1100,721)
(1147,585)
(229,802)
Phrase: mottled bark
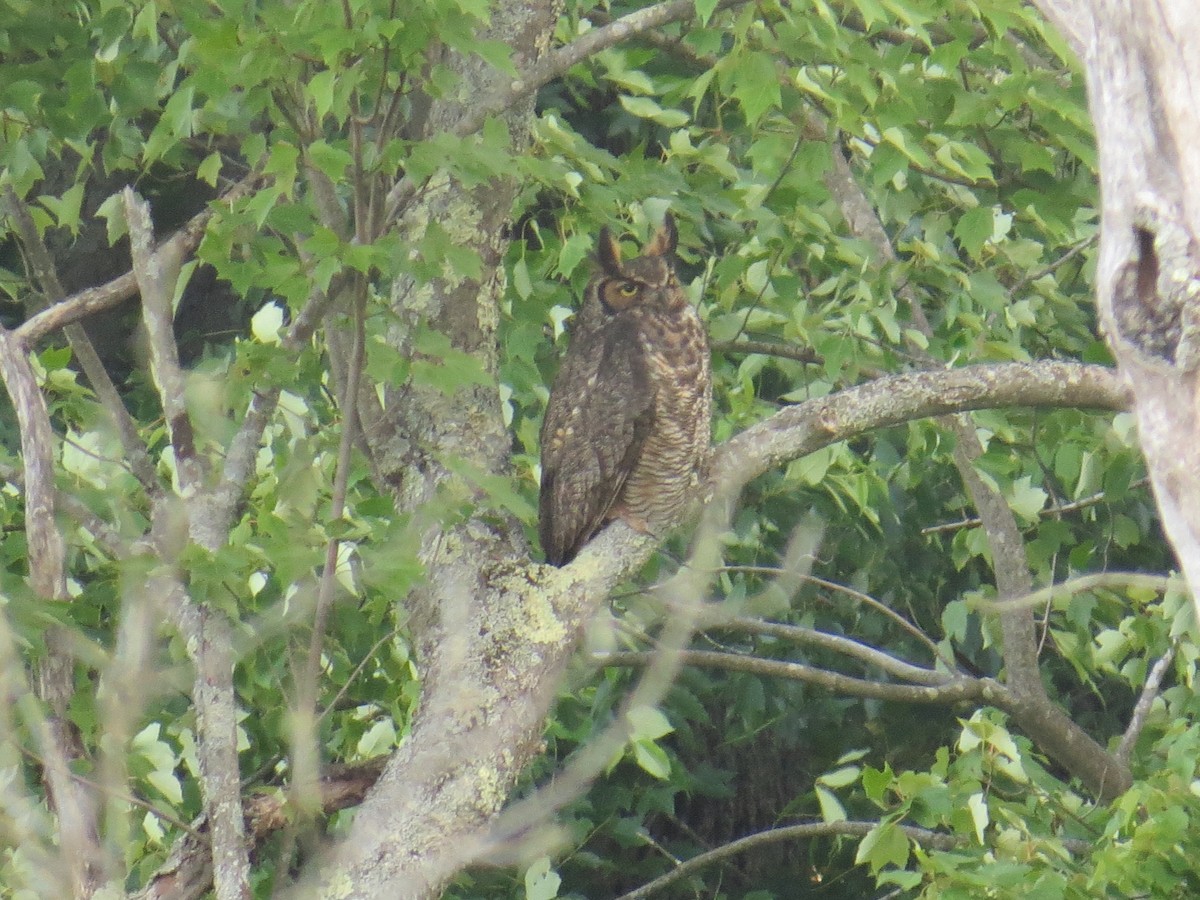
(1143,78)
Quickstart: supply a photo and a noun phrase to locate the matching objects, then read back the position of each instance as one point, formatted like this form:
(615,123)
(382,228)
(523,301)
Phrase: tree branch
(507,92)
(954,689)
(806,427)
(1048,512)
(92,300)
(45,276)
(209,642)
(798,634)
(157,273)
(77,833)
(1141,709)
(1082,584)
(768,348)
(1034,711)
(923,837)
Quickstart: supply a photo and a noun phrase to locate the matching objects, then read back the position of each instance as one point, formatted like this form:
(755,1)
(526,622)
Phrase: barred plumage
(626,433)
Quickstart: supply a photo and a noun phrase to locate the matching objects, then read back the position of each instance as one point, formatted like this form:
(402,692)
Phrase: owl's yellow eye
(628,289)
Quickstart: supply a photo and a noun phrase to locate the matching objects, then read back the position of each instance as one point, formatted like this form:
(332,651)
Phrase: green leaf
(1026,500)
(647,723)
(831,808)
(876,783)
(979,814)
(974,229)
(884,845)
(645,108)
(704,10)
(333,161)
(320,92)
(541,881)
(209,170)
(652,759)
(66,208)
(842,777)
(755,84)
(498,55)
(955,616)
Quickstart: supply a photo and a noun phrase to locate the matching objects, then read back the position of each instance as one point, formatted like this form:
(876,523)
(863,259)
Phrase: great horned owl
(626,433)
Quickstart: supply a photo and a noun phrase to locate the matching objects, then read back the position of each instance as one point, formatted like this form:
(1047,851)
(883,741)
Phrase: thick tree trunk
(1143,75)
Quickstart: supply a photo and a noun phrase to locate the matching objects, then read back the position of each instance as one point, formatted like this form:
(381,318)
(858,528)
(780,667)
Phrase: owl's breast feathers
(627,430)
(674,457)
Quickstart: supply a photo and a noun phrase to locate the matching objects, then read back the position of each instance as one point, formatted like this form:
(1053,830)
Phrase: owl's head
(646,280)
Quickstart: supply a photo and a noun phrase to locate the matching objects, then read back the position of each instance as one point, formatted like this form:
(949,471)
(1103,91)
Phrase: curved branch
(952,690)
(864,653)
(95,299)
(921,836)
(1084,583)
(551,65)
(895,399)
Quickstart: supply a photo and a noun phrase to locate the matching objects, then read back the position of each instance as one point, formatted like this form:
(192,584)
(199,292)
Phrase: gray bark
(1143,76)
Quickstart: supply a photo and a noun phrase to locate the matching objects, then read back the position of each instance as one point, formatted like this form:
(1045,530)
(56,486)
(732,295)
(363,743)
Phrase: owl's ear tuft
(665,240)
(608,249)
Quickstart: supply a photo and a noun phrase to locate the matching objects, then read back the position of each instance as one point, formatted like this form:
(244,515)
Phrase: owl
(627,429)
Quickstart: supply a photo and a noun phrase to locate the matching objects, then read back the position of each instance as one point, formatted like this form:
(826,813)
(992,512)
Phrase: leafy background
(965,127)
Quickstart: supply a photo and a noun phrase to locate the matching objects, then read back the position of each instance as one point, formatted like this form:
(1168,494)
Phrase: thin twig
(1048,512)
(1141,710)
(768,348)
(127,797)
(798,634)
(923,837)
(953,690)
(1109,581)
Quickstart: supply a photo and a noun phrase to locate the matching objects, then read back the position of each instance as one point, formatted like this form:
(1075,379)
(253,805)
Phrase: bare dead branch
(47,575)
(1137,721)
(1010,565)
(768,348)
(157,273)
(207,636)
(43,271)
(187,873)
(92,300)
(77,307)
(46,551)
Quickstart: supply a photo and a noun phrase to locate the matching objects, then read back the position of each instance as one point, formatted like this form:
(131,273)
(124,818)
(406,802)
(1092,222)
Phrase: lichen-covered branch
(47,576)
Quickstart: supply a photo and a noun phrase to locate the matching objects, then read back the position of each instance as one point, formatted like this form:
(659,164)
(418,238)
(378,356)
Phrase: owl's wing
(601,410)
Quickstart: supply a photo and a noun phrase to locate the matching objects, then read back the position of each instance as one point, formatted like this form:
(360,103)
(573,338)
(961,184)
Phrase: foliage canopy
(863,188)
